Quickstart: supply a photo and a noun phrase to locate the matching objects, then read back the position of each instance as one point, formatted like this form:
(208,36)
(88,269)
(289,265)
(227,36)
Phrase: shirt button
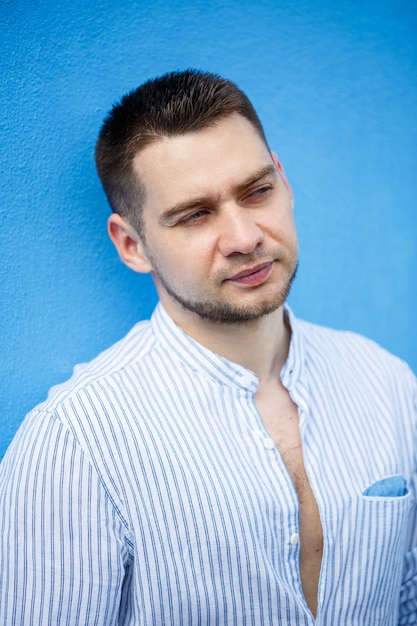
(294,539)
(246,381)
(269,443)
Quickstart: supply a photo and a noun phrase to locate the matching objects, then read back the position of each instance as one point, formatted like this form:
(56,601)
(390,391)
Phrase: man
(225,463)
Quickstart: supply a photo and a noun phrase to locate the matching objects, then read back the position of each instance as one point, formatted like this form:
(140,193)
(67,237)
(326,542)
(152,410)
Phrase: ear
(128,244)
(280,169)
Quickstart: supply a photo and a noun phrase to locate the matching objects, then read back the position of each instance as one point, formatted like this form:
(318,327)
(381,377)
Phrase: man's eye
(193,217)
(259,193)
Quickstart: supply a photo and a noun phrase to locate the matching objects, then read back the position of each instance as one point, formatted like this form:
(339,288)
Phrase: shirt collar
(293,367)
(215,366)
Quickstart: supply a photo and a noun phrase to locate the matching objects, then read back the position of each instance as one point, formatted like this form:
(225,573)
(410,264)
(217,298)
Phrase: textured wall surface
(335,84)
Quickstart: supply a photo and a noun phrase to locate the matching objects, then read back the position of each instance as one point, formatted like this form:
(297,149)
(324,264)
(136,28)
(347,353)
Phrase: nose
(239,232)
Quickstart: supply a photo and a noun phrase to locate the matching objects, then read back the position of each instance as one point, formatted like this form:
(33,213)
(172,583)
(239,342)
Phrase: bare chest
(280,417)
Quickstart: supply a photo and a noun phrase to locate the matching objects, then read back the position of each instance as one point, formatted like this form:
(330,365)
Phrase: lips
(253,276)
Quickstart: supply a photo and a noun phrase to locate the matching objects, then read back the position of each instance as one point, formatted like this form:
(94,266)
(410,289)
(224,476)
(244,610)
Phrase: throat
(260,346)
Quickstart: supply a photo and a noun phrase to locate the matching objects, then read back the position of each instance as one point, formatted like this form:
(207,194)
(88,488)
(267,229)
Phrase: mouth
(253,276)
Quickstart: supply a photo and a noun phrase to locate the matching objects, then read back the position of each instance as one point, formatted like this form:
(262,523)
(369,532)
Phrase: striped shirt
(146,491)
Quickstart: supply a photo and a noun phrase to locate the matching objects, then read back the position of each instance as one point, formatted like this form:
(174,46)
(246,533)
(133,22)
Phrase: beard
(223,312)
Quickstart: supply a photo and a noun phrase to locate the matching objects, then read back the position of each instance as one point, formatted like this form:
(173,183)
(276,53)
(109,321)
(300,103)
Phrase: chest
(226,497)
(280,417)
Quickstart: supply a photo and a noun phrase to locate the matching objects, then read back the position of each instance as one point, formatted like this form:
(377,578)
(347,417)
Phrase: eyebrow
(167,216)
(264,172)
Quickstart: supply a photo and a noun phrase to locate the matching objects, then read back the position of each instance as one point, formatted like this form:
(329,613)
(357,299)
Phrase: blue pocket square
(391,487)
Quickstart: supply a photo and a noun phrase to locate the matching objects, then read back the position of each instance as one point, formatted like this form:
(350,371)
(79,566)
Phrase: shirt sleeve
(63,550)
(408,605)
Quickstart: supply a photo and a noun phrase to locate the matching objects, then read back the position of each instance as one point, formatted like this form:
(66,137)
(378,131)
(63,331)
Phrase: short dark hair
(167,106)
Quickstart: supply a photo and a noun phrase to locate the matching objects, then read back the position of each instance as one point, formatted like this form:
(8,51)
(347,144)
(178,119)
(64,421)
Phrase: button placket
(268,443)
(294,539)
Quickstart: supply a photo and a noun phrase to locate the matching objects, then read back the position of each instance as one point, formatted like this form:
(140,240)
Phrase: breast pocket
(368,555)
(382,522)
(383,511)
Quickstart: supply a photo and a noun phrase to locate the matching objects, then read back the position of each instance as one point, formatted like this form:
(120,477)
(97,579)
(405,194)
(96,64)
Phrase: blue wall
(335,85)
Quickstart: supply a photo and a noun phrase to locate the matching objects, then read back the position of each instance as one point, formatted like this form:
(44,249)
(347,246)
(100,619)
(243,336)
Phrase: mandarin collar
(216,367)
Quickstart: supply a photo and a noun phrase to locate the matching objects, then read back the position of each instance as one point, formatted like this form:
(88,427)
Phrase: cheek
(193,252)
(173,263)
(282,230)
(288,225)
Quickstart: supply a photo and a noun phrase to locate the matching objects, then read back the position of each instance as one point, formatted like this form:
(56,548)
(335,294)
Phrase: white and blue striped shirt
(145,491)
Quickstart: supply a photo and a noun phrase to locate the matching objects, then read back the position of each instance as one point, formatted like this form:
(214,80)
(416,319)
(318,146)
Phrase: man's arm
(63,554)
(408,605)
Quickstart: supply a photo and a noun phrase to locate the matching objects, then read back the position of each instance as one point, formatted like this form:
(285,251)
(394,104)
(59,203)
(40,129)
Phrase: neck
(261,345)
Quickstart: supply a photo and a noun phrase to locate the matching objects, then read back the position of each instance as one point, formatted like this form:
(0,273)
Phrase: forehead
(206,162)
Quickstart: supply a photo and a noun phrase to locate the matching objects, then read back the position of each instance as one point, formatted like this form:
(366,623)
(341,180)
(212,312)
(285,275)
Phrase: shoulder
(92,410)
(131,349)
(341,342)
(353,353)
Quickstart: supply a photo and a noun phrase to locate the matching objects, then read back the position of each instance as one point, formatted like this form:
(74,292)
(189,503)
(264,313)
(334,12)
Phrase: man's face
(218,223)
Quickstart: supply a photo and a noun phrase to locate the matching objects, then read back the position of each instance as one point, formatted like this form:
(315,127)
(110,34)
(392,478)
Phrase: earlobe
(128,244)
